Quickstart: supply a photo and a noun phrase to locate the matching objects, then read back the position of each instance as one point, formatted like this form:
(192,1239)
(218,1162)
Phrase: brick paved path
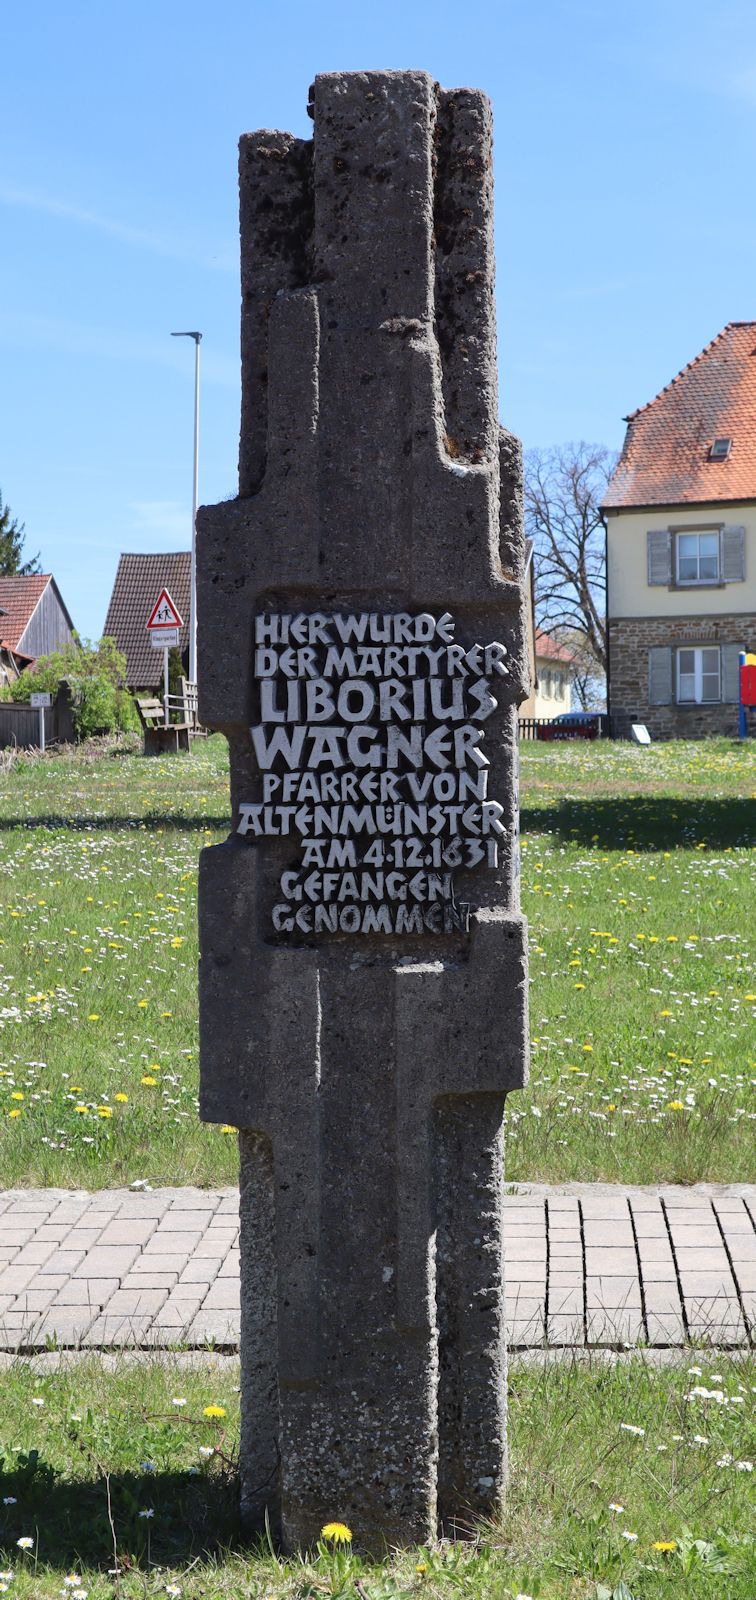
(587,1264)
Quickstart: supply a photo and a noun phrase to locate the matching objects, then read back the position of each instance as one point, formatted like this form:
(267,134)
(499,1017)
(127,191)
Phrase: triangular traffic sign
(164,613)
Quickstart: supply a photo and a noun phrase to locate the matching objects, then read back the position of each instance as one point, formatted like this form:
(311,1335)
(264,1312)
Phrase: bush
(96,675)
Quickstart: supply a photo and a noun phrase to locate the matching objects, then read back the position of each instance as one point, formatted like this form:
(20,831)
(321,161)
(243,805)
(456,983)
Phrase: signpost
(41,701)
(163,625)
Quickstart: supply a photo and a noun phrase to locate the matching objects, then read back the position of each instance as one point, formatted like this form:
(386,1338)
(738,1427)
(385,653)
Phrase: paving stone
(14,1279)
(524,1272)
(708,1284)
(200,1269)
(18,1235)
(654,1250)
(33,1300)
(81,1238)
(157,1261)
(185,1221)
(135,1302)
(222,1296)
(605,1262)
(612,1293)
(609,1233)
(565,1330)
(94,1292)
(33,1254)
(564,1301)
(665,1328)
(66,1324)
(703,1260)
(128,1230)
(662,1298)
(530,1242)
(63,1261)
(614,1327)
(118,1331)
(230,1266)
(662,1271)
(110,1261)
(149,1280)
(219,1326)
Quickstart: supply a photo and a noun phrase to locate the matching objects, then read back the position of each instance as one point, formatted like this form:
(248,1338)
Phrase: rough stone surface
(367,1073)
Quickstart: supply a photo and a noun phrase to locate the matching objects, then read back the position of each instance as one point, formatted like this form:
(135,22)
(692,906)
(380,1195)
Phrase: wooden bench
(157,737)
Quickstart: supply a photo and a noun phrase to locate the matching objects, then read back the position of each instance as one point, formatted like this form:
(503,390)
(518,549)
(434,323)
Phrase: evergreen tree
(11,546)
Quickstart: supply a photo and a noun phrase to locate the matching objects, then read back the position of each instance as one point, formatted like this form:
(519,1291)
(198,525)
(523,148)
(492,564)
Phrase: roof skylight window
(720,449)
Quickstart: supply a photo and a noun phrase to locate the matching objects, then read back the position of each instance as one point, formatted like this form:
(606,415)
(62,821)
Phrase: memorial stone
(363,958)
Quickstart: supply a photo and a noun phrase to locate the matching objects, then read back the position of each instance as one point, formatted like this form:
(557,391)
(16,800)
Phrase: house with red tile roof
(138,584)
(680,514)
(34,620)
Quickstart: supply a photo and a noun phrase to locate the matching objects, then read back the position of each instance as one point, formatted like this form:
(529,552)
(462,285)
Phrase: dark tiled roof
(19,598)
(137,586)
(665,459)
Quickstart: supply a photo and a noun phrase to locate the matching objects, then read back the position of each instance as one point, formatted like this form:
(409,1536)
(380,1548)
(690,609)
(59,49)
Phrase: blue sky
(625,159)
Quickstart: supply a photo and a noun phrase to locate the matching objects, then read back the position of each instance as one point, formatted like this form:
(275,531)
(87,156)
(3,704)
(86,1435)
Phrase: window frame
(698,674)
(698,534)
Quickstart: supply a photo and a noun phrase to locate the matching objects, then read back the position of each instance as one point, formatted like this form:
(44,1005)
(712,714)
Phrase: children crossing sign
(163,625)
(164,614)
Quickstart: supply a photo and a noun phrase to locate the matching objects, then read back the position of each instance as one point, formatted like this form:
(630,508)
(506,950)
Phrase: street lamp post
(197,337)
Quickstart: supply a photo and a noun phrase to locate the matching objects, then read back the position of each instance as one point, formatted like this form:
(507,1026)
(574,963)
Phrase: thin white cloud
(224,259)
(23,330)
(167,517)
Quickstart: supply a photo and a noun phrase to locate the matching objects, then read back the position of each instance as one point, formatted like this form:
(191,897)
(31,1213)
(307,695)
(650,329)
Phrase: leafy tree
(11,546)
(563,492)
(96,675)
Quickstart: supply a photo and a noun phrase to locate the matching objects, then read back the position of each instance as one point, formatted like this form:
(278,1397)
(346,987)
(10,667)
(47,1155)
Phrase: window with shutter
(660,675)
(659,555)
(731,673)
(699,675)
(733,554)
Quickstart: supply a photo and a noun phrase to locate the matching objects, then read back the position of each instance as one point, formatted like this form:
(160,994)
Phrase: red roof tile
(547,648)
(137,586)
(19,598)
(665,459)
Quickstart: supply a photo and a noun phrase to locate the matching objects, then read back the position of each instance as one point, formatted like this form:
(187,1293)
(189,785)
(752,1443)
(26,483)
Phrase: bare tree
(563,492)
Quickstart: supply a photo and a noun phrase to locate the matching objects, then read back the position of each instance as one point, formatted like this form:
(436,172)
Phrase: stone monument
(363,959)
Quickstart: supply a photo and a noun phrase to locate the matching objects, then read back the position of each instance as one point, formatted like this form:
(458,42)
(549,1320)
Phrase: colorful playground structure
(747,691)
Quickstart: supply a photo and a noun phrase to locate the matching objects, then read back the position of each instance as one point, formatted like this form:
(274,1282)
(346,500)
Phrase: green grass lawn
(608,1464)
(638,883)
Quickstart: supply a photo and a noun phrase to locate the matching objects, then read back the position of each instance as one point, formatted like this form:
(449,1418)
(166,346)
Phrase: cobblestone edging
(587,1265)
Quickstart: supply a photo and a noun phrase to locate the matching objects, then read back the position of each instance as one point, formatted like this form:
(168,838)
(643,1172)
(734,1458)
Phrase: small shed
(138,583)
(34,620)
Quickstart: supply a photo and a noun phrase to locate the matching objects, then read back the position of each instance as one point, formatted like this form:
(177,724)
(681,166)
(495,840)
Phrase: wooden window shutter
(731,673)
(660,676)
(733,555)
(659,555)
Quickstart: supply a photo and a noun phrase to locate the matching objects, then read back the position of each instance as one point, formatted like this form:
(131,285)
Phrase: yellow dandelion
(579,985)
(104,1111)
(17,1095)
(675,1105)
(81,1111)
(166,1013)
(14,1113)
(121,1098)
(94,1016)
(143,1003)
(228,1127)
(150,1083)
(665,1013)
(336,1533)
(664,1544)
(214,1411)
(176,943)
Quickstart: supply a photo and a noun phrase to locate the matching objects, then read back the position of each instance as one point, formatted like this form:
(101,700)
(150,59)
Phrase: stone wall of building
(631,639)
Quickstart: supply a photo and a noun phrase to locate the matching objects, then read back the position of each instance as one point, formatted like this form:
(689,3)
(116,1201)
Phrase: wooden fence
(19,724)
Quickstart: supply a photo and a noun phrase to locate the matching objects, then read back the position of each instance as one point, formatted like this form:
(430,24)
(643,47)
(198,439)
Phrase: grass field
(620,1475)
(638,882)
